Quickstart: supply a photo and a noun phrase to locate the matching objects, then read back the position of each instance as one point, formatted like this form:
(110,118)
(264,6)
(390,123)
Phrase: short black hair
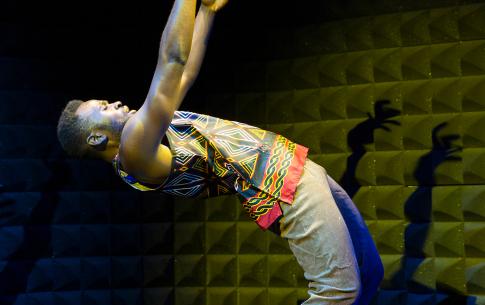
(72,131)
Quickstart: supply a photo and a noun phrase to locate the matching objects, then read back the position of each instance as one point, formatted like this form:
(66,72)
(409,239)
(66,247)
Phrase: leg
(370,265)
(320,241)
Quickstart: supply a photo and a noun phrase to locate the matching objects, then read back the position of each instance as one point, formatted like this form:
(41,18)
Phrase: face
(113,116)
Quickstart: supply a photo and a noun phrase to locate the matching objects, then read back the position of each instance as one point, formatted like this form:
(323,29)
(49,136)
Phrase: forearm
(202,28)
(177,36)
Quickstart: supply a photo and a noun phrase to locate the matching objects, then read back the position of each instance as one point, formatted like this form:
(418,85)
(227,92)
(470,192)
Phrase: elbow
(175,53)
(177,58)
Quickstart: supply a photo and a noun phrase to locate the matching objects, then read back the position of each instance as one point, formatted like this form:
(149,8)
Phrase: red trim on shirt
(294,173)
(267,219)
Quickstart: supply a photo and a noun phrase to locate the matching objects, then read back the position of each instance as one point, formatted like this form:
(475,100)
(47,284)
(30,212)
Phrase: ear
(97,140)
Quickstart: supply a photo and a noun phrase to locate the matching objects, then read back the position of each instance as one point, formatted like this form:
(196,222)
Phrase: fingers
(455,149)
(214,5)
(382,111)
(383,127)
(390,112)
(450,138)
(208,2)
(220,4)
(438,128)
(434,136)
(386,128)
(450,154)
(453,158)
(379,105)
(446,142)
(393,122)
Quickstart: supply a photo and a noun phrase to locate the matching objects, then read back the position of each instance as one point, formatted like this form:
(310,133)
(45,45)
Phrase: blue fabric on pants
(330,241)
(368,259)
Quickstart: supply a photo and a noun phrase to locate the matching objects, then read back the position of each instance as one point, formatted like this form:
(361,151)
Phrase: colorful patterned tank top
(212,157)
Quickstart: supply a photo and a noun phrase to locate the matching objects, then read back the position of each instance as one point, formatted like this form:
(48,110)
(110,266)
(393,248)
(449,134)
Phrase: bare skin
(136,135)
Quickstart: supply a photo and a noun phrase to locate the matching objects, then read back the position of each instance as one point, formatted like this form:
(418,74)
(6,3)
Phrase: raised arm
(202,28)
(140,151)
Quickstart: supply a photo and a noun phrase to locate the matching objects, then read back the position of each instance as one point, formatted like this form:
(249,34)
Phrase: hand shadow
(363,134)
(418,211)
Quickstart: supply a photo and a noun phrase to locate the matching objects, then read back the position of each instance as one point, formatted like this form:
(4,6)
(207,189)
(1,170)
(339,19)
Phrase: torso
(206,156)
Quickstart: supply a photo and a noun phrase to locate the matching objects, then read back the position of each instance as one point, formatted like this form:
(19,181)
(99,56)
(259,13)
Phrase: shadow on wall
(417,208)
(18,260)
(363,134)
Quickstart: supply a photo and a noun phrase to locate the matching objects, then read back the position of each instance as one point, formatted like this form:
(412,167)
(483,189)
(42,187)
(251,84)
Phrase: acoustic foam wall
(70,231)
(69,236)
(421,198)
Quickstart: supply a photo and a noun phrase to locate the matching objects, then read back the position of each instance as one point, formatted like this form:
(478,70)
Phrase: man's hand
(214,5)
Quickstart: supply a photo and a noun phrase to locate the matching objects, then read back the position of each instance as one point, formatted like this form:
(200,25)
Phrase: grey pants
(320,241)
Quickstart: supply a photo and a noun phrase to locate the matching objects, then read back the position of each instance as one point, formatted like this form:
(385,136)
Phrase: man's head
(91,128)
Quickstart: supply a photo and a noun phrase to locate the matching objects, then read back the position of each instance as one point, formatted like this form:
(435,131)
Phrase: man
(204,156)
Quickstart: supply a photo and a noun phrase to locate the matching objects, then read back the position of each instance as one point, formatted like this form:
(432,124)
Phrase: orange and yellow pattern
(213,157)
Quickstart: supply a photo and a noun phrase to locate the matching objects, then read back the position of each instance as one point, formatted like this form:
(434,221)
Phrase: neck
(107,154)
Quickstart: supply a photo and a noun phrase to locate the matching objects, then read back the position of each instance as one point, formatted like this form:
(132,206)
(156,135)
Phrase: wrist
(208,9)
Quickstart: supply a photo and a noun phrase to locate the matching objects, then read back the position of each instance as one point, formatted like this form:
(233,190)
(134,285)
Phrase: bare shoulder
(140,152)
(149,170)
